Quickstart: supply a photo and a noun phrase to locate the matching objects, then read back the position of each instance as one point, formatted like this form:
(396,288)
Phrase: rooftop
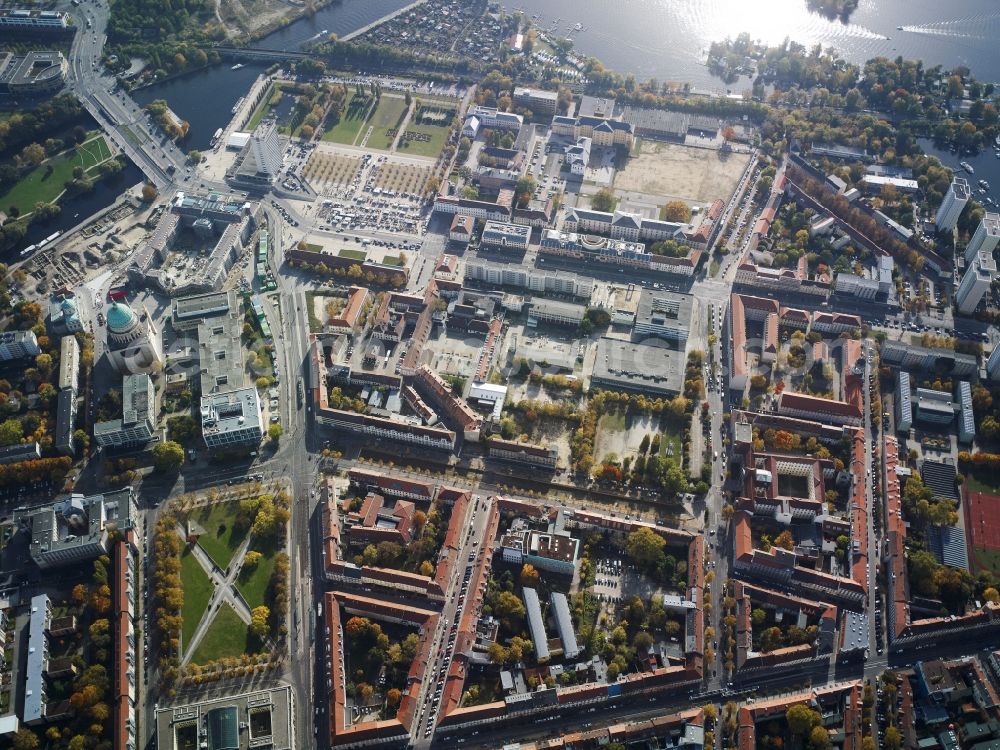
(639,367)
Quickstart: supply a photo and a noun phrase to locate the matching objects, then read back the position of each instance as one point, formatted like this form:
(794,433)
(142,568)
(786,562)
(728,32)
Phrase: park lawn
(221,538)
(388,114)
(437,134)
(197,592)
(40,186)
(671,437)
(227,636)
(352,118)
(253,584)
(352,254)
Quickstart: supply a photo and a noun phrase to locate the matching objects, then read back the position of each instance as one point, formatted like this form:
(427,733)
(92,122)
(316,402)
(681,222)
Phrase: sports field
(982,527)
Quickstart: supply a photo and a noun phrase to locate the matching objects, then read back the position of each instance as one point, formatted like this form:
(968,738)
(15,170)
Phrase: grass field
(351,119)
(352,254)
(226,636)
(986,559)
(221,537)
(253,583)
(48,180)
(983,481)
(197,591)
(387,115)
(437,135)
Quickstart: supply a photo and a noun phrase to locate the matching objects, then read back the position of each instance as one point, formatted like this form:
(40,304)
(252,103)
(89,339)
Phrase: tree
(426,568)
(603,200)
(149,192)
(529,576)
(258,620)
(819,738)
(508,605)
(785,540)
(167,456)
(274,432)
(195,156)
(801,719)
(893,738)
(251,558)
(645,546)
(677,211)
(991,595)
(25,739)
(393,697)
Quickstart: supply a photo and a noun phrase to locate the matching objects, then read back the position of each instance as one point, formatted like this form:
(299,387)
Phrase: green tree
(251,559)
(25,739)
(819,738)
(893,738)
(274,432)
(645,547)
(603,200)
(801,719)
(167,456)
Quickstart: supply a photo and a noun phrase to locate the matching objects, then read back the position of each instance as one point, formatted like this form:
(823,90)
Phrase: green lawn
(388,114)
(48,180)
(253,584)
(226,636)
(197,591)
(392,260)
(314,248)
(986,559)
(983,480)
(222,537)
(346,129)
(437,134)
(352,254)
(669,437)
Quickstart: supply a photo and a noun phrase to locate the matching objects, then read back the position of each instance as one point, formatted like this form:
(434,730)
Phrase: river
(206,98)
(667,39)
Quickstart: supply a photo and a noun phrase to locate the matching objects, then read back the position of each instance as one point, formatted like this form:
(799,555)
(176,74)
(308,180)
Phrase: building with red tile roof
(377,522)
(125,688)
(437,391)
(806,406)
(839,704)
(347,318)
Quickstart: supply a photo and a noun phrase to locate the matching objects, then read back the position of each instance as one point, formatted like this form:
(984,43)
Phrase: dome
(120,318)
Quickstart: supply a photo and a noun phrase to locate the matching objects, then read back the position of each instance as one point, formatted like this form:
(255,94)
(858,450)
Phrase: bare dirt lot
(673,171)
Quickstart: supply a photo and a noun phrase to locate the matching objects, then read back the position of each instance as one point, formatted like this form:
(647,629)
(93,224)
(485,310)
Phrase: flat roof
(627,365)
(664,308)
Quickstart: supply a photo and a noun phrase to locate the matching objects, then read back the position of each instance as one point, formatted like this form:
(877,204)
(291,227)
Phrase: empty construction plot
(401,178)
(670,170)
(331,170)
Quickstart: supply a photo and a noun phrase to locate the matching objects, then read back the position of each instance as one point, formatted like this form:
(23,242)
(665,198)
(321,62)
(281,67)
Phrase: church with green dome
(133,342)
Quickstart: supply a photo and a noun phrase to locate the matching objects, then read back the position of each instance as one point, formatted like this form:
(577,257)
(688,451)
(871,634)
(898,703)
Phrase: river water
(668,39)
(206,98)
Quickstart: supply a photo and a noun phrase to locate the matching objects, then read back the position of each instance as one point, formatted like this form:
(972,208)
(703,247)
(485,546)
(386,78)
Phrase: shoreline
(365,29)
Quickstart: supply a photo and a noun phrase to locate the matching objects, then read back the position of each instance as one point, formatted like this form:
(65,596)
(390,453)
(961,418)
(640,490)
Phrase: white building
(538,101)
(858,286)
(78,529)
(232,418)
(18,345)
(975,283)
(954,202)
(577,156)
(490,118)
(138,421)
(505,236)
(986,238)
